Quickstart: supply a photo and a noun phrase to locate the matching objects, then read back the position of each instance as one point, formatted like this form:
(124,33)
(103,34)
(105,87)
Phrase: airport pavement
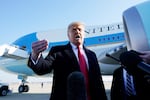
(36,92)
(39,92)
(32,96)
(26,96)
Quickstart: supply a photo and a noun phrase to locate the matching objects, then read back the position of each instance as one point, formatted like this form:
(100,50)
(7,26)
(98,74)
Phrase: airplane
(102,39)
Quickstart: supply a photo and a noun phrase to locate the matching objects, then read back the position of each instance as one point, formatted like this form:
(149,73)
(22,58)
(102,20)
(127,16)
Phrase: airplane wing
(113,52)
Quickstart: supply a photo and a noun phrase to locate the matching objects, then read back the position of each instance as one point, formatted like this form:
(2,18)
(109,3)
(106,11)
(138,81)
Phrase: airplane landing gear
(23,87)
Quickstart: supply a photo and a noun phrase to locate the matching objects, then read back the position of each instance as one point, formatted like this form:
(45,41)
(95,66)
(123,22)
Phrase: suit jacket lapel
(88,56)
(71,54)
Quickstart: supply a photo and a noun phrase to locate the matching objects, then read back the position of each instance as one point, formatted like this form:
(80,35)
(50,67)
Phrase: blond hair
(75,24)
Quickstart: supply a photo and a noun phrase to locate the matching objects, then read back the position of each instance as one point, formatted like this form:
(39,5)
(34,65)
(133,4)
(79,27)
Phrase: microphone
(108,55)
(131,61)
(76,89)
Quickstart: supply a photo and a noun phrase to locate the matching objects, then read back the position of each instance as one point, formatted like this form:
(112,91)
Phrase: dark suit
(62,60)
(142,85)
(118,88)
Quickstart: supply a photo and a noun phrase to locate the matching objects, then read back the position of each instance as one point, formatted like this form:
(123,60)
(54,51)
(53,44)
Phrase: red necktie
(84,70)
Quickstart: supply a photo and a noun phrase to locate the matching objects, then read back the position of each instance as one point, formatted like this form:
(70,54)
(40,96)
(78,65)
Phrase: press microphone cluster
(76,86)
(108,55)
(131,61)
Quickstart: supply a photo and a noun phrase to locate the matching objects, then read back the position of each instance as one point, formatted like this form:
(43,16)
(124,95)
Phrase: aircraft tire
(26,88)
(21,88)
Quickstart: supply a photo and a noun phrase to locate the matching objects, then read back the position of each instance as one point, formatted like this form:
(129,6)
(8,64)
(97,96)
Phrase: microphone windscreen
(76,86)
(130,58)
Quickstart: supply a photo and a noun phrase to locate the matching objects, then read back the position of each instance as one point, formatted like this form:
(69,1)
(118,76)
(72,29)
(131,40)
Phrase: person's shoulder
(60,47)
(118,69)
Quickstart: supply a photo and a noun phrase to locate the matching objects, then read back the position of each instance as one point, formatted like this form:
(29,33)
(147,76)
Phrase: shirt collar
(75,47)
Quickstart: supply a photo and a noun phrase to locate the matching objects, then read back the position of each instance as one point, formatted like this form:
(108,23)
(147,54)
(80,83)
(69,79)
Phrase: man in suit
(119,85)
(63,60)
(140,88)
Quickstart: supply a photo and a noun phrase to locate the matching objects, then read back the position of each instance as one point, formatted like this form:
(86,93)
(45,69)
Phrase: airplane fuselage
(100,39)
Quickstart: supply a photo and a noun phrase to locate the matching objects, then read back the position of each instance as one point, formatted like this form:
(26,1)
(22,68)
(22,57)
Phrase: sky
(21,17)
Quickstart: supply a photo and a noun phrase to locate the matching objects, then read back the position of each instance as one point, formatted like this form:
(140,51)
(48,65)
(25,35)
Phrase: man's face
(76,34)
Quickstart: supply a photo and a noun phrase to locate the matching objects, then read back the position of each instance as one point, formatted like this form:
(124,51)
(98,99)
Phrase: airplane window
(113,38)
(117,37)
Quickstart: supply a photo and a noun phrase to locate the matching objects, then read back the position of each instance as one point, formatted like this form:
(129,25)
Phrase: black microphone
(108,55)
(76,89)
(131,61)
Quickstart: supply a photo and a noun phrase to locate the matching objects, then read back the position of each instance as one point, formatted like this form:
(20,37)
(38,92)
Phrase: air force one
(106,39)
(103,40)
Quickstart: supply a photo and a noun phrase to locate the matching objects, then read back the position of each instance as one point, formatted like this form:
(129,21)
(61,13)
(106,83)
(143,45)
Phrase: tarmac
(39,92)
